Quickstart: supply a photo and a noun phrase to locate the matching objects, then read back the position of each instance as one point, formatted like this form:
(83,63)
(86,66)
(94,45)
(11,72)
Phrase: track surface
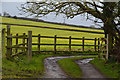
(52,69)
(89,71)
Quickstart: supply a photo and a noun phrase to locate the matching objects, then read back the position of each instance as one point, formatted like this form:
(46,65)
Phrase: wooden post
(109,45)
(29,52)
(16,50)
(83,44)
(11,42)
(24,42)
(98,45)
(3,42)
(69,43)
(55,44)
(95,44)
(98,48)
(27,41)
(27,45)
(107,48)
(39,43)
(9,50)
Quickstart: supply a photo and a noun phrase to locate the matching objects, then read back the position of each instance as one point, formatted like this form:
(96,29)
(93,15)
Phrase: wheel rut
(52,69)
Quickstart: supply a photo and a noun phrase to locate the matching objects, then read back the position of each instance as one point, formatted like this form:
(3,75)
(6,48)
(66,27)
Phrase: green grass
(19,21)
(110,69)
(20,67)
(0,50)
(51,32)
(70,67)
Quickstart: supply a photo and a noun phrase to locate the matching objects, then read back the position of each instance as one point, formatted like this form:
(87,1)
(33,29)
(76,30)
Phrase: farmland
(50,32)
(39,68)
(34,48)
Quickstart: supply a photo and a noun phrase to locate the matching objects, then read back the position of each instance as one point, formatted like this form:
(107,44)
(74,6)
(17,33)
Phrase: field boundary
(39,20)
(27,43)
(75,30)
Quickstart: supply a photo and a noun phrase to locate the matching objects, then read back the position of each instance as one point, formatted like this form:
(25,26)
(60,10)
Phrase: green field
(19,21)
(20,67)
(51,32)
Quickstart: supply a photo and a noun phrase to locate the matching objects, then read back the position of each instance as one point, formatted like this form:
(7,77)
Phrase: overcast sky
(11,8)
(63,0)
(13,0)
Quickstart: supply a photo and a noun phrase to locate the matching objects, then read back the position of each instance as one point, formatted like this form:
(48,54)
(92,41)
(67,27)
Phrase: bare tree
(106,12)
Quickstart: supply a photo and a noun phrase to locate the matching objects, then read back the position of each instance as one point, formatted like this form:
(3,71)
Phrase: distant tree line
(5,14)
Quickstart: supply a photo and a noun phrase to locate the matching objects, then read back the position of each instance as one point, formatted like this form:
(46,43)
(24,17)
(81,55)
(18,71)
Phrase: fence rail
(26,44)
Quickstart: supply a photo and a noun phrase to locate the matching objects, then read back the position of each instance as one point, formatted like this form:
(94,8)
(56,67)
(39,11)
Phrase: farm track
(52,69)
(89,71)
(55,28)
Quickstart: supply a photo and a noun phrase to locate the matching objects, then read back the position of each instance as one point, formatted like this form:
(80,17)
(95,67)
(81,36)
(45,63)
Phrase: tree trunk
(108,29)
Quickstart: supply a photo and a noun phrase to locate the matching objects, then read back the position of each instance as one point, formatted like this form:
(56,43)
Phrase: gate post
(109,45)
(3,42)
(9,43)
(95,44)
(24,35)
(98,47)
(29,53)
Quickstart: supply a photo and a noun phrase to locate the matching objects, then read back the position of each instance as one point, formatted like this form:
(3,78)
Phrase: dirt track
(52,69)
(89,71)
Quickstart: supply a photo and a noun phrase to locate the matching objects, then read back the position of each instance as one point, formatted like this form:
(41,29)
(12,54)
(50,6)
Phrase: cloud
(13,0)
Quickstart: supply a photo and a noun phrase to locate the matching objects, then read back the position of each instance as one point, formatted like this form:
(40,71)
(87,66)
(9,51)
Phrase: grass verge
(70,67)
(20,67)
(109,69)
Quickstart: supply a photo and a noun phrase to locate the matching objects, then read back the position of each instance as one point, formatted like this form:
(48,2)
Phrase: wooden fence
(26,44)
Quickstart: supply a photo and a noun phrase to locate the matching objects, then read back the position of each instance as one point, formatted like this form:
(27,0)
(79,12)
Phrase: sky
(12,9)
(63,0)
(13,0)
